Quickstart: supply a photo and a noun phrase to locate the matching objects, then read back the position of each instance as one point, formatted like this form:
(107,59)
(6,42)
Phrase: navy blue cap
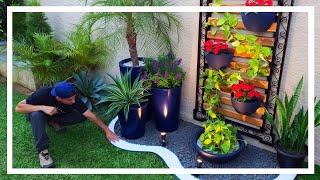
(63,90)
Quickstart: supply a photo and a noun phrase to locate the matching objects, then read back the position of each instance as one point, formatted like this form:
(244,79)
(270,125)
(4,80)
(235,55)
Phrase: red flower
(208,45)
(239,94)
(258,2)
(235,88)
(254,94)
(247,87)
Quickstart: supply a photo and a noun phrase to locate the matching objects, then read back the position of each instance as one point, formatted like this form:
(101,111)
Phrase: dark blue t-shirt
(43,97)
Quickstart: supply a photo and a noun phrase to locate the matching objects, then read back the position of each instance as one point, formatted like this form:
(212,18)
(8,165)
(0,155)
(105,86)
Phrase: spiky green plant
(151,30)
(317,114)
(291,131)
(122,94)
(91,87)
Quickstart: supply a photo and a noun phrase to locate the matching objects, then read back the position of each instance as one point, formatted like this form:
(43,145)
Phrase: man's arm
(92,117)
(23,107)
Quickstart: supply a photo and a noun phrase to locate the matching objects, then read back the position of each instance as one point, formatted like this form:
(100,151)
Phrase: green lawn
(82,146)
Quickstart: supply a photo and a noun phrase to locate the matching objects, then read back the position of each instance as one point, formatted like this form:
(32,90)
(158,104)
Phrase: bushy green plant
(151,30)
(91,87)
(122,94)
(317,114)
(165,72)
(219,137)
(292,132)
(85,52)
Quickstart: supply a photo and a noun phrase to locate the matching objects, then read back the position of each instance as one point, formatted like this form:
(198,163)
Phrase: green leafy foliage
(217,2)
(91,87)
(225,24)
(317,114)
(122,94)
(291,131)
(219,137)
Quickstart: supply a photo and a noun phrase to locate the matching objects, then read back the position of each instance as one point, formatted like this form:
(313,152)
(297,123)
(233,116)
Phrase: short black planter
(134,126)
(246,108)
(135,71)
(219,158)
(219,61)
(288,159)
(258,22)
(166,108)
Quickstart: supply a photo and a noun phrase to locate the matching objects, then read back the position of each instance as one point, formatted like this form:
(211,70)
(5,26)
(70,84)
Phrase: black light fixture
(199,161)
(163,136)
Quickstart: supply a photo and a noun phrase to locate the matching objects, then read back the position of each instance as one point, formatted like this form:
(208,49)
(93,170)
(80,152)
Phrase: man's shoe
(57,127)
(45,159)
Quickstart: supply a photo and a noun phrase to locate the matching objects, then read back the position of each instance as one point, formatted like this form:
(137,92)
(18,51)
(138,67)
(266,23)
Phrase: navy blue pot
(166,108)
(258,22)
(219,158)
(134,126)
(219,61)
(136,71)
(289,159)
(246,108)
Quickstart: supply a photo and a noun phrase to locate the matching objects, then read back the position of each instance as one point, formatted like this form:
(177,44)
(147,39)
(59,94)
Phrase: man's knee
(37,115)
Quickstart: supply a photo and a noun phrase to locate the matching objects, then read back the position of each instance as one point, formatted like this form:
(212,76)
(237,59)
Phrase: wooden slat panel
(240,24)
(247,119)
(264,41)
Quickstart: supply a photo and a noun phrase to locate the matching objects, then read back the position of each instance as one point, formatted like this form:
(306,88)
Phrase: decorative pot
(135,71)
(258,22)
(219,158)
(134,126)
(246,108)
(289,159)
(219,61)
(166,108)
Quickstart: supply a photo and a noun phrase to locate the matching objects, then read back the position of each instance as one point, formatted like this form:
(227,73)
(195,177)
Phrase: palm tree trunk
(131,37)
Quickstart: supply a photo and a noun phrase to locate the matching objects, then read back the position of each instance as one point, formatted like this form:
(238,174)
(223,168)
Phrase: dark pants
(39,121)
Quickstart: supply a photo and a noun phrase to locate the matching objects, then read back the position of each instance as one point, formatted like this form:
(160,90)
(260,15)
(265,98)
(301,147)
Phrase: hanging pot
(125,65)
(289,159)
(246,108)
(219,61)
(258,22)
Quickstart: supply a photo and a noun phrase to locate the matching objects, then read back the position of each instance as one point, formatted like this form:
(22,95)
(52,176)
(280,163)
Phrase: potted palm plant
(152,29)
(128,101)
(292,132)
(217,54)
(245,99)
(165,76)
(258,21)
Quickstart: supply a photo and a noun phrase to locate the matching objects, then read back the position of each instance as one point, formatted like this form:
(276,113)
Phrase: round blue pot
(288,159)
(219,61)
(134,126)
(166,108)
(258,22)
(135,71)
(219,158)
(246,108)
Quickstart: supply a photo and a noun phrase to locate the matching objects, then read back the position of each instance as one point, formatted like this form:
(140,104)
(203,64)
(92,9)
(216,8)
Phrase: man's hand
(50,110)
(111,136)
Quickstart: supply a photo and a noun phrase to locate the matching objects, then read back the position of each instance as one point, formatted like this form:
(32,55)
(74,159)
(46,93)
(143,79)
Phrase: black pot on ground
(126,66)
(258,22)
(219,61)
(246,108)
(166,108)
(289,159)
(219,158)
(134,126)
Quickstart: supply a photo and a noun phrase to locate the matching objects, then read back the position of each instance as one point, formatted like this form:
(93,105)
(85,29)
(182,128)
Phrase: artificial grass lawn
(82,146)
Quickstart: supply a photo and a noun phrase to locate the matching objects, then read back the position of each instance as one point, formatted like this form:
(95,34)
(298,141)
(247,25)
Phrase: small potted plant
(292,132)
(165,76)
(128,101)
(217,54)
(219,142)
(245,99)
(258,21)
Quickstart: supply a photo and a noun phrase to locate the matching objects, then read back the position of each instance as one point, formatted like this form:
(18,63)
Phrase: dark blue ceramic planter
(258,22)
(219,158)
(166,108)
(134,127)
(246,108)
(135,70)
(288,159)
(219,61)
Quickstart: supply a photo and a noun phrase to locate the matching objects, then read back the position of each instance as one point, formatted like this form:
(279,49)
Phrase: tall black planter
(288,159)
(219,61)
(135,70)
(134,126)
(258,22)
(166,108)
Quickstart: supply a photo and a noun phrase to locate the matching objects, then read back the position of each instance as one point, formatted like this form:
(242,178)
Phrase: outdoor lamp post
(163,136)
(199,162)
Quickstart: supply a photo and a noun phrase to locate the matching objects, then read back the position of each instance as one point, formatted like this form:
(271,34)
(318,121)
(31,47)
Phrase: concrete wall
(295,63)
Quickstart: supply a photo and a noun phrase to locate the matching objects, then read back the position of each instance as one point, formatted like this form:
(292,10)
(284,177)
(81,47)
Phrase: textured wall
(295,63)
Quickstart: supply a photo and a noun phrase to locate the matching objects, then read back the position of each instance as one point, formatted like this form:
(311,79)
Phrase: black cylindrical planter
(289,160)
(166,108)
(246,108)
(134,126)
(258,22)
(219,61)
(135,70)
